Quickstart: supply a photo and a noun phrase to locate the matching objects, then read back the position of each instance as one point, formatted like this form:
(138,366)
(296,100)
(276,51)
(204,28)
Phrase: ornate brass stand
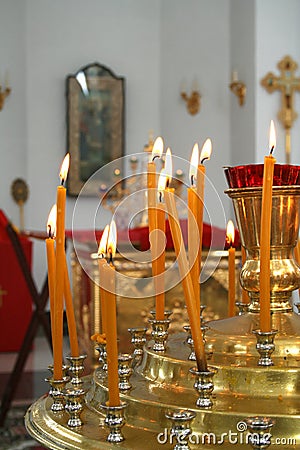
(162,382)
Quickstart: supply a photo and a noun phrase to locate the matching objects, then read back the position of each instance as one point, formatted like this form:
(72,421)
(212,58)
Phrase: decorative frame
(95,126)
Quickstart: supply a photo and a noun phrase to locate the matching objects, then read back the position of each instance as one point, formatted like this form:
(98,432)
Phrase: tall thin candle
(231,269)
(51,263)
(59,273)
(111,321)
(101,262)
(184,271)
(265,235)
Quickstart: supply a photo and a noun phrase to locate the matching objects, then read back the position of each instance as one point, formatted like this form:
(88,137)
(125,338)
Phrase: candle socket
(76,369)
(74,399)
(160,331)
(265,346)
(125,371)
(56,392)
(189,340)
(138,340)
(114,420)
(242,307)
(259,429)
(101,348)
(204,386)
(181,426)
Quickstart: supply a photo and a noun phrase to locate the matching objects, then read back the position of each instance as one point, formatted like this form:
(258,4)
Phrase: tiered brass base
(163,382)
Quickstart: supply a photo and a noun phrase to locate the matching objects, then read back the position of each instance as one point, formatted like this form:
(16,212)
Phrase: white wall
(277,35)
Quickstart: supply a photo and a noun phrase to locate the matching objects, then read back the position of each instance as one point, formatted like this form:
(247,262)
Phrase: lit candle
(205,155)
(111,320)
(265,235)
(151,182)
(159,243)
(231,269)
(51,262)
(183,266)
(193,229)
(101,262)
(59,272)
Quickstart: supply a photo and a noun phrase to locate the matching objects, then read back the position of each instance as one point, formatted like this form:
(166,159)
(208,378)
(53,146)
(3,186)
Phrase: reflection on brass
(287,83)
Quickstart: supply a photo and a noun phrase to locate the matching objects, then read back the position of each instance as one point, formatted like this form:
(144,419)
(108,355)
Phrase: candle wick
(111,258)
(167,183)
(160,196)
(154,157)
(49,231)
(62,181)
(101,255)
(192,180)
(272,149)
(204,159)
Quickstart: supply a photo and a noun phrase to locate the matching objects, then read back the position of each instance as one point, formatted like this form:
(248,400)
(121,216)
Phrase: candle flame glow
(161,185)
(112,239)
(103,242)
(230,232)
(272,137)
(51,223)
(64,168)
(194,164)
(158,148)
(206,150)
(168,166)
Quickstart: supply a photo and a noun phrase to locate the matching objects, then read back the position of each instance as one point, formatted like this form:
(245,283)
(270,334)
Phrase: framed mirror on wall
(95,125)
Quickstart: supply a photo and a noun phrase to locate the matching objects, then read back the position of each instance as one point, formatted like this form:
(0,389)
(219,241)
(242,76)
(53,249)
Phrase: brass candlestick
(265,346)
(259,428)
(181,427)
(114,420)
(56,393)
(204,386)
(125,371)
(74,406)
(160,331)
(76,368)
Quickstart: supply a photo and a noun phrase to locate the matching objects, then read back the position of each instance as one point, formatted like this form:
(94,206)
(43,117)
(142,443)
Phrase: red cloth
(15,299)
(213,237)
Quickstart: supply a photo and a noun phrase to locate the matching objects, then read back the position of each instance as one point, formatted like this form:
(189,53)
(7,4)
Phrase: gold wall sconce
(193,100)
(4,92)
(238,88)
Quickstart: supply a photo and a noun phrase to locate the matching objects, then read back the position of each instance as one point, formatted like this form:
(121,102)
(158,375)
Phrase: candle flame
(194,164)
(168,167)
(103,242)
(64,168)
(206,150)
(272,137)
(112,240)
(161,185)
(230,232)
(158,148)
(81,78)
(51,223)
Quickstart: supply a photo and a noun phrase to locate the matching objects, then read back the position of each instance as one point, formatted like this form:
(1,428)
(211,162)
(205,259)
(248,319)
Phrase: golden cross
(1,295)
(287,83)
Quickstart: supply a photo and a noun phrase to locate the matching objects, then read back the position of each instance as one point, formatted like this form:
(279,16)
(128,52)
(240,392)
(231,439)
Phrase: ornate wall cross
(287,83)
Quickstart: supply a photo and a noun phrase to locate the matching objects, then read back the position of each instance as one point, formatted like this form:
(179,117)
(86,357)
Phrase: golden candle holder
(138,340)
(259,428)
(265,346)
(101,348)
(76,369)
(204,386)
(114,420)
(160,331)
(74,405)
(181,427)
(56,393)
(125,371)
